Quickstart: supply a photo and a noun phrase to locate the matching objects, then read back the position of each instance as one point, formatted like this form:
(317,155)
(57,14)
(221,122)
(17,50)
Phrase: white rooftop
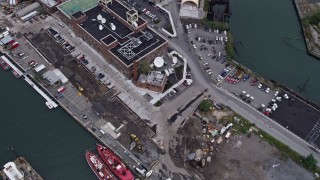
(11,171)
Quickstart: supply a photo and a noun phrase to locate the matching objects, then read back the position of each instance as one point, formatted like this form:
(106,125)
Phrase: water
(257,27)
(51,140)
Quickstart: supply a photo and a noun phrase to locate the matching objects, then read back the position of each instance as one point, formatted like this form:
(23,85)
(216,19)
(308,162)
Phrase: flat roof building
(154,81)
(32,7)
(115,31)
(51,78)
(12,172)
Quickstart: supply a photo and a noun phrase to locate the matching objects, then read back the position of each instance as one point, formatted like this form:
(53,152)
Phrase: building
(51,78)
(190,9)
(50,5)
(12,172)
(55,77)
(154,81)
(116,32)
(28,9)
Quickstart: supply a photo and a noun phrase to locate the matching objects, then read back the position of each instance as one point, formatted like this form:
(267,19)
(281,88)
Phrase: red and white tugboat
(98,167)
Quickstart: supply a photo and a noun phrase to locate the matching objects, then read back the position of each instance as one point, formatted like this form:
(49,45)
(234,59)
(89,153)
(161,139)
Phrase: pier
(49,102)
(20,167)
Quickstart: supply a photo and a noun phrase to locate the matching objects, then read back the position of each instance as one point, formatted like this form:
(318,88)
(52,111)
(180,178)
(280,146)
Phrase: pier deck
(25,168)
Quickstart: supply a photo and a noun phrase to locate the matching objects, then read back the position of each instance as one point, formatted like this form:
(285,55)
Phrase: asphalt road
(182,46)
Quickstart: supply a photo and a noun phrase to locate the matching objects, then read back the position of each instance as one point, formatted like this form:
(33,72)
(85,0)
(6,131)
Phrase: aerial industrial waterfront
(155,90)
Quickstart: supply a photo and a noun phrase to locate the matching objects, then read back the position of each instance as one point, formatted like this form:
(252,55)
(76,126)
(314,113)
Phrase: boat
(98,167)
(15,74)
(4,65)
(114,163)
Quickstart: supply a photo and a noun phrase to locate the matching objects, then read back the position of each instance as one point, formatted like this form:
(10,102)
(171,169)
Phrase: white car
(259,86)
(286,96)
(267,90)
(210,72)
(219,78)
(25,57)
(276,93)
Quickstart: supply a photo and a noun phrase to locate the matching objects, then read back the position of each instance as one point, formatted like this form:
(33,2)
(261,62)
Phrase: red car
(254,81)
(14,45)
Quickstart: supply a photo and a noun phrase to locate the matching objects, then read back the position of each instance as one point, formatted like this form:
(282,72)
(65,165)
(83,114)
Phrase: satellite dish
(100,27)
(158,62)
(112,26)
(174,60)
(99,17)
(103,20)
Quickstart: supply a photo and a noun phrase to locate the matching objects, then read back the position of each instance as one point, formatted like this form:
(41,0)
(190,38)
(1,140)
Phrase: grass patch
(168,86)
(285,150)
(179,72)
(240,124)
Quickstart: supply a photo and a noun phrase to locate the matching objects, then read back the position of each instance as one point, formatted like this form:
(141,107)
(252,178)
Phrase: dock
(49,102)
(20,167)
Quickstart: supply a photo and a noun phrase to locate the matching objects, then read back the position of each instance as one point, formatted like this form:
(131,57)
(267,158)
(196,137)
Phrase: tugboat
(98,167)
(114,163)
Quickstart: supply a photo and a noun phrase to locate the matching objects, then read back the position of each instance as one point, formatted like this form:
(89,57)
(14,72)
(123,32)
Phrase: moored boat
(4,65)
(114,163)
(98,167)
(15,74)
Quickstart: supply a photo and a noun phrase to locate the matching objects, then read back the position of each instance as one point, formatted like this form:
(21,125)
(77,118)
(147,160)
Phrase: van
(102,132)
(167,72)
(219,54)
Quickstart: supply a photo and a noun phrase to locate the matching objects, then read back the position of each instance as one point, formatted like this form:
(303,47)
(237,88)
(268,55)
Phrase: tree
(229,47)
(310,162)
(144,68)
(205,105)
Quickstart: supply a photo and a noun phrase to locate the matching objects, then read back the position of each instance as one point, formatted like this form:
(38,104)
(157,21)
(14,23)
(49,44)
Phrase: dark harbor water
(52,142)
(269,40)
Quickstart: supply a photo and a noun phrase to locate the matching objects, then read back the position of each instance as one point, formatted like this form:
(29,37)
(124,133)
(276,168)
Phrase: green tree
(229,47)
(205,105)
(310,162)
(144,68)
(206,5)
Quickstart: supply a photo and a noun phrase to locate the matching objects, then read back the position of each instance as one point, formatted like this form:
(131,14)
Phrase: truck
(238,74)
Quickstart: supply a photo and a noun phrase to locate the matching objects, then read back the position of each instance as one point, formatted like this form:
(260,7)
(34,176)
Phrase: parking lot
(209,45)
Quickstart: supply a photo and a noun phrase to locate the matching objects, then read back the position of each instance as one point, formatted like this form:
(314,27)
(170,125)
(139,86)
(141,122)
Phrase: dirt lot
(239,157)
(117,113)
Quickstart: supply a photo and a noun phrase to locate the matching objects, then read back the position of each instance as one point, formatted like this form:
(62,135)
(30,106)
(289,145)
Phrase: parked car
(101,75)
(254,81)
(246,77)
